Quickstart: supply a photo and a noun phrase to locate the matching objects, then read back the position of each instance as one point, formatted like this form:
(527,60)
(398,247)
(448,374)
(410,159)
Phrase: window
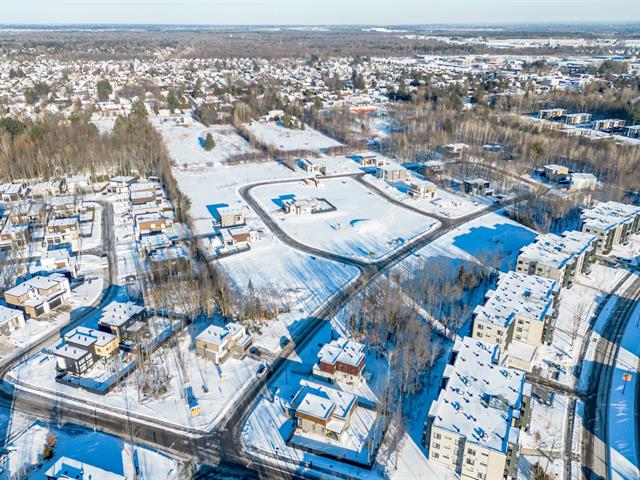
(470,461)
(480,327)
(436,445)
(481,475)
(499,333)
(479,335)
(471,451)
(435,455)
(437,436)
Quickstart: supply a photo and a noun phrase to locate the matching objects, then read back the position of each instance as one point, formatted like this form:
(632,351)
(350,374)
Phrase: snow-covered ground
(289,139)
(446,203)
(214,386)
(364,225)
(186,144)
(211,188)
(491,239)
(576,310)
(27,440)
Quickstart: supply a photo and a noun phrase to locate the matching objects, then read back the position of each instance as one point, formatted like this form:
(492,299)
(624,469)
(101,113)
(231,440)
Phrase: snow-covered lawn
(211,188)
(363,225)
(214,387)
(446,203)
(548,424)
(26,448)
(186,144)
(491,239)
(289,139)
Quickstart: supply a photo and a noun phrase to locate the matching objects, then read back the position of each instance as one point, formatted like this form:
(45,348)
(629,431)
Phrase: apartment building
(39,295)
(612,222)
(219,343)
(560,258)
(474,425)
(341,360)
(322,410)
(522,307)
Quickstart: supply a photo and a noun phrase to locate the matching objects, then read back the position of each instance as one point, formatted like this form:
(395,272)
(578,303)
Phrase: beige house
(39,295)
(322,410)
(391,173)
(231,217)
(421,189)
(219,343)
(11,319)
(64,230)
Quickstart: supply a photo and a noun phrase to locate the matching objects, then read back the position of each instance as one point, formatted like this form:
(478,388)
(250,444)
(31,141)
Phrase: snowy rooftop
(606,215)
(217,335)
(548,249)
(324,403)
(37,283)
(86,335)
(7,314)
(118,313)
(480,397)
(517,294)
(68,468)
(62,222)
(343,350)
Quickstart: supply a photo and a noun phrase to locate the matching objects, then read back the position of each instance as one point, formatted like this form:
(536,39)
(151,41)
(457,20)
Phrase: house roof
(343,350)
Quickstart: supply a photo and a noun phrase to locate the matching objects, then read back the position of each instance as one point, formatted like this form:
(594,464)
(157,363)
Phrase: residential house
(456,149)
(555,173)
(120,184)
(231,217)
(341,360)
(313,166)
(14,235)
(100,343)
(431,170)
(219,343)
(368,159)
(55,261)
(66,468)
(61,231)
(39,295)
(44,190)
(421,189)
(150,224)
(393,173)
(583,181)
(477,186)
(11,319)
(118,316)
(322,410)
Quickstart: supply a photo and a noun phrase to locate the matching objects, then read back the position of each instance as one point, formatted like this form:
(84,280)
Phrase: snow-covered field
(211,188)
(186,144)
(491,239)
(446,203)
(364,225)
(289,139)
(28,438)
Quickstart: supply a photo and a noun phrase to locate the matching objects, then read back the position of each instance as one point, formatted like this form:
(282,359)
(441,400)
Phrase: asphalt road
(595,451)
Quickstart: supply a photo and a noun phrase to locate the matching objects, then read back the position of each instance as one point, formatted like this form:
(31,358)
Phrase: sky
(315,12)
